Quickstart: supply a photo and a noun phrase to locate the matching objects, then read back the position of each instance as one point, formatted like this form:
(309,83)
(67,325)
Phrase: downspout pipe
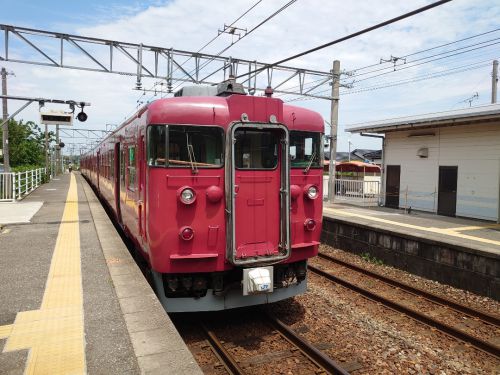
(381,198)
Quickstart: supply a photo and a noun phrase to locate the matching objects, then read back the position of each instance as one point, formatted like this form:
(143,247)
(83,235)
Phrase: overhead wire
(434,75)
(429,49)
(208,43)
(350,36)
(206,63)
(435,55)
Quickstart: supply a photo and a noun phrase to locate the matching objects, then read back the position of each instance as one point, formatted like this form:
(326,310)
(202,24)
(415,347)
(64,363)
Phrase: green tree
(26,144)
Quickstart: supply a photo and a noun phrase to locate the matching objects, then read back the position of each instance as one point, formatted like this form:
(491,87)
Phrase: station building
(447,162)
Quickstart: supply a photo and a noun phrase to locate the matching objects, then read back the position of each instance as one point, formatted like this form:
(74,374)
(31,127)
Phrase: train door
(141,187)
(259,204)
(98,174)
(117,179)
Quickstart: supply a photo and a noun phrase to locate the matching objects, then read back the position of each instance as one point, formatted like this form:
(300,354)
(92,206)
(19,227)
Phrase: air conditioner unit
(56,118)
(423,152)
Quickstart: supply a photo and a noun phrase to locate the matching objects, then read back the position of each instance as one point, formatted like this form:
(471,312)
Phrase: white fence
(15,185)
(359,192)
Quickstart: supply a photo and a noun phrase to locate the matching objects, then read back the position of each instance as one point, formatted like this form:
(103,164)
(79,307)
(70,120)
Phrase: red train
(221,192)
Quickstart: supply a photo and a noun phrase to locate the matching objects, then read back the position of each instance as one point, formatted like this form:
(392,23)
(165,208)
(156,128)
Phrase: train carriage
(221,192)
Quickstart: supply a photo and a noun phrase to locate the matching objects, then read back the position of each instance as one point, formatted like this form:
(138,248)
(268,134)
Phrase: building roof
(357,166)
(472,115)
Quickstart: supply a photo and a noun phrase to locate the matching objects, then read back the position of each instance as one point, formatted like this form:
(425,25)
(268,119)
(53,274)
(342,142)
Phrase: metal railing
(15,185)
(361,192)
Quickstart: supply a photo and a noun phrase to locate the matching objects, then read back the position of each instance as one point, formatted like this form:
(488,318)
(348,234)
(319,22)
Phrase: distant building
(447,162)
(357,155)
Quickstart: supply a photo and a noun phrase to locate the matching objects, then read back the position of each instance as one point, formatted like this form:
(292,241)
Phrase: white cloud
(188,24)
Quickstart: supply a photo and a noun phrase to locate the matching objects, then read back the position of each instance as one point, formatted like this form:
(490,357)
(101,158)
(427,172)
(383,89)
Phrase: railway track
(321,363)
(457,333)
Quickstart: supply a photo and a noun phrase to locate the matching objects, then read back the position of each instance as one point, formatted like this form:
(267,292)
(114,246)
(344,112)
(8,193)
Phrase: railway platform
(460,252)
(73,301)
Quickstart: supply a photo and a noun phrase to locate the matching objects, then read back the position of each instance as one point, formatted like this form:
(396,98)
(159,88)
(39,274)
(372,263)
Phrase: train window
(305,149)
(256,149)
(157,144)
(201,146)
(131,169)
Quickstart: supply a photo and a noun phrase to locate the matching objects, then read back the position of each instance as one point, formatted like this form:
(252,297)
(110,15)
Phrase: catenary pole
(334,118)
(494,82)
(5,128)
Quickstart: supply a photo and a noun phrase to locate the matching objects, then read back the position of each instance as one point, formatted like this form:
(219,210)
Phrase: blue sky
(188,24)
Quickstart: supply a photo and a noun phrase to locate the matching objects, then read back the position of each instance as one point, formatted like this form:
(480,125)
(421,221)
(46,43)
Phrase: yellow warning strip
(55,333)
(476,227)
(5,331)
(446,231)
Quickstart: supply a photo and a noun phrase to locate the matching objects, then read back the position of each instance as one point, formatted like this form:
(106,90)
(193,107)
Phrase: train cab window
(131,169)
(200,146)
(305,149)
(157,145)
(256,149)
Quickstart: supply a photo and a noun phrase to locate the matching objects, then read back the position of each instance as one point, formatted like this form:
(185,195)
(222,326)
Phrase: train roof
(221,111)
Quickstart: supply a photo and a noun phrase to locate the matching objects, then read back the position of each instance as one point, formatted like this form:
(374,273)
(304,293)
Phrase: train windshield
(256,149)
(186,146)
(305,149)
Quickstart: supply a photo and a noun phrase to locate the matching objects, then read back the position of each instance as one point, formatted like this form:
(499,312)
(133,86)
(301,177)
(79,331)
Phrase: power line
(432,48)
(246,34)
(209,42)
(444,73)
(353,35)
(435,55)
(427,62)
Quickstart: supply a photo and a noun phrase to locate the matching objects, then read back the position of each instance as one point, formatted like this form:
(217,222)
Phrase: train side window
(305,149)
(200,146)
(157,144)
(131,169)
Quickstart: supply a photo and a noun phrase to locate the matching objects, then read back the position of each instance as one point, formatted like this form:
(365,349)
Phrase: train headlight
(186,233)
(311,191)
(186,195)
(310,224)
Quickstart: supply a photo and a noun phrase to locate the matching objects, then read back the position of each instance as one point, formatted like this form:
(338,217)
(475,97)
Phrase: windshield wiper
(192,159)
(313,156)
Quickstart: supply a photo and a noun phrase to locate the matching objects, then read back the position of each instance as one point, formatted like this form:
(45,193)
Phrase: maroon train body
(222,195)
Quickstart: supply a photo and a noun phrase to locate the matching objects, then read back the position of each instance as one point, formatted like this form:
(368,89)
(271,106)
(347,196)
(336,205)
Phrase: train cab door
(117,179)
(259,202)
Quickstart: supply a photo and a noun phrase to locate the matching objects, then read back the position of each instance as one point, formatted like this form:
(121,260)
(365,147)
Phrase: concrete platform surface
(72,299)
(18,212)
(476,235)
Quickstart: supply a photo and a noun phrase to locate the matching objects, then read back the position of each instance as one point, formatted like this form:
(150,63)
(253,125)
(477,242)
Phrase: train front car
(234,199)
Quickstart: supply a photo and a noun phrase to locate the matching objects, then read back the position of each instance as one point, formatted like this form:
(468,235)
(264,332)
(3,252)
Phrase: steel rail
(227,359)
(474,313)
(307,349)
(480,344)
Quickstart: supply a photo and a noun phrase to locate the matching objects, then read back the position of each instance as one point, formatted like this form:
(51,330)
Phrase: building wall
(475,149)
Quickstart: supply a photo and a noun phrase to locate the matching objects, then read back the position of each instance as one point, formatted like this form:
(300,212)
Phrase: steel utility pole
(5,128)
(494,82)
(334,118)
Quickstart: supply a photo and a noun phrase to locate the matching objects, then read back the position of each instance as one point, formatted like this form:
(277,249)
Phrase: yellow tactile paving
(447,231)
(55,333)
(475,227)
(5,331)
